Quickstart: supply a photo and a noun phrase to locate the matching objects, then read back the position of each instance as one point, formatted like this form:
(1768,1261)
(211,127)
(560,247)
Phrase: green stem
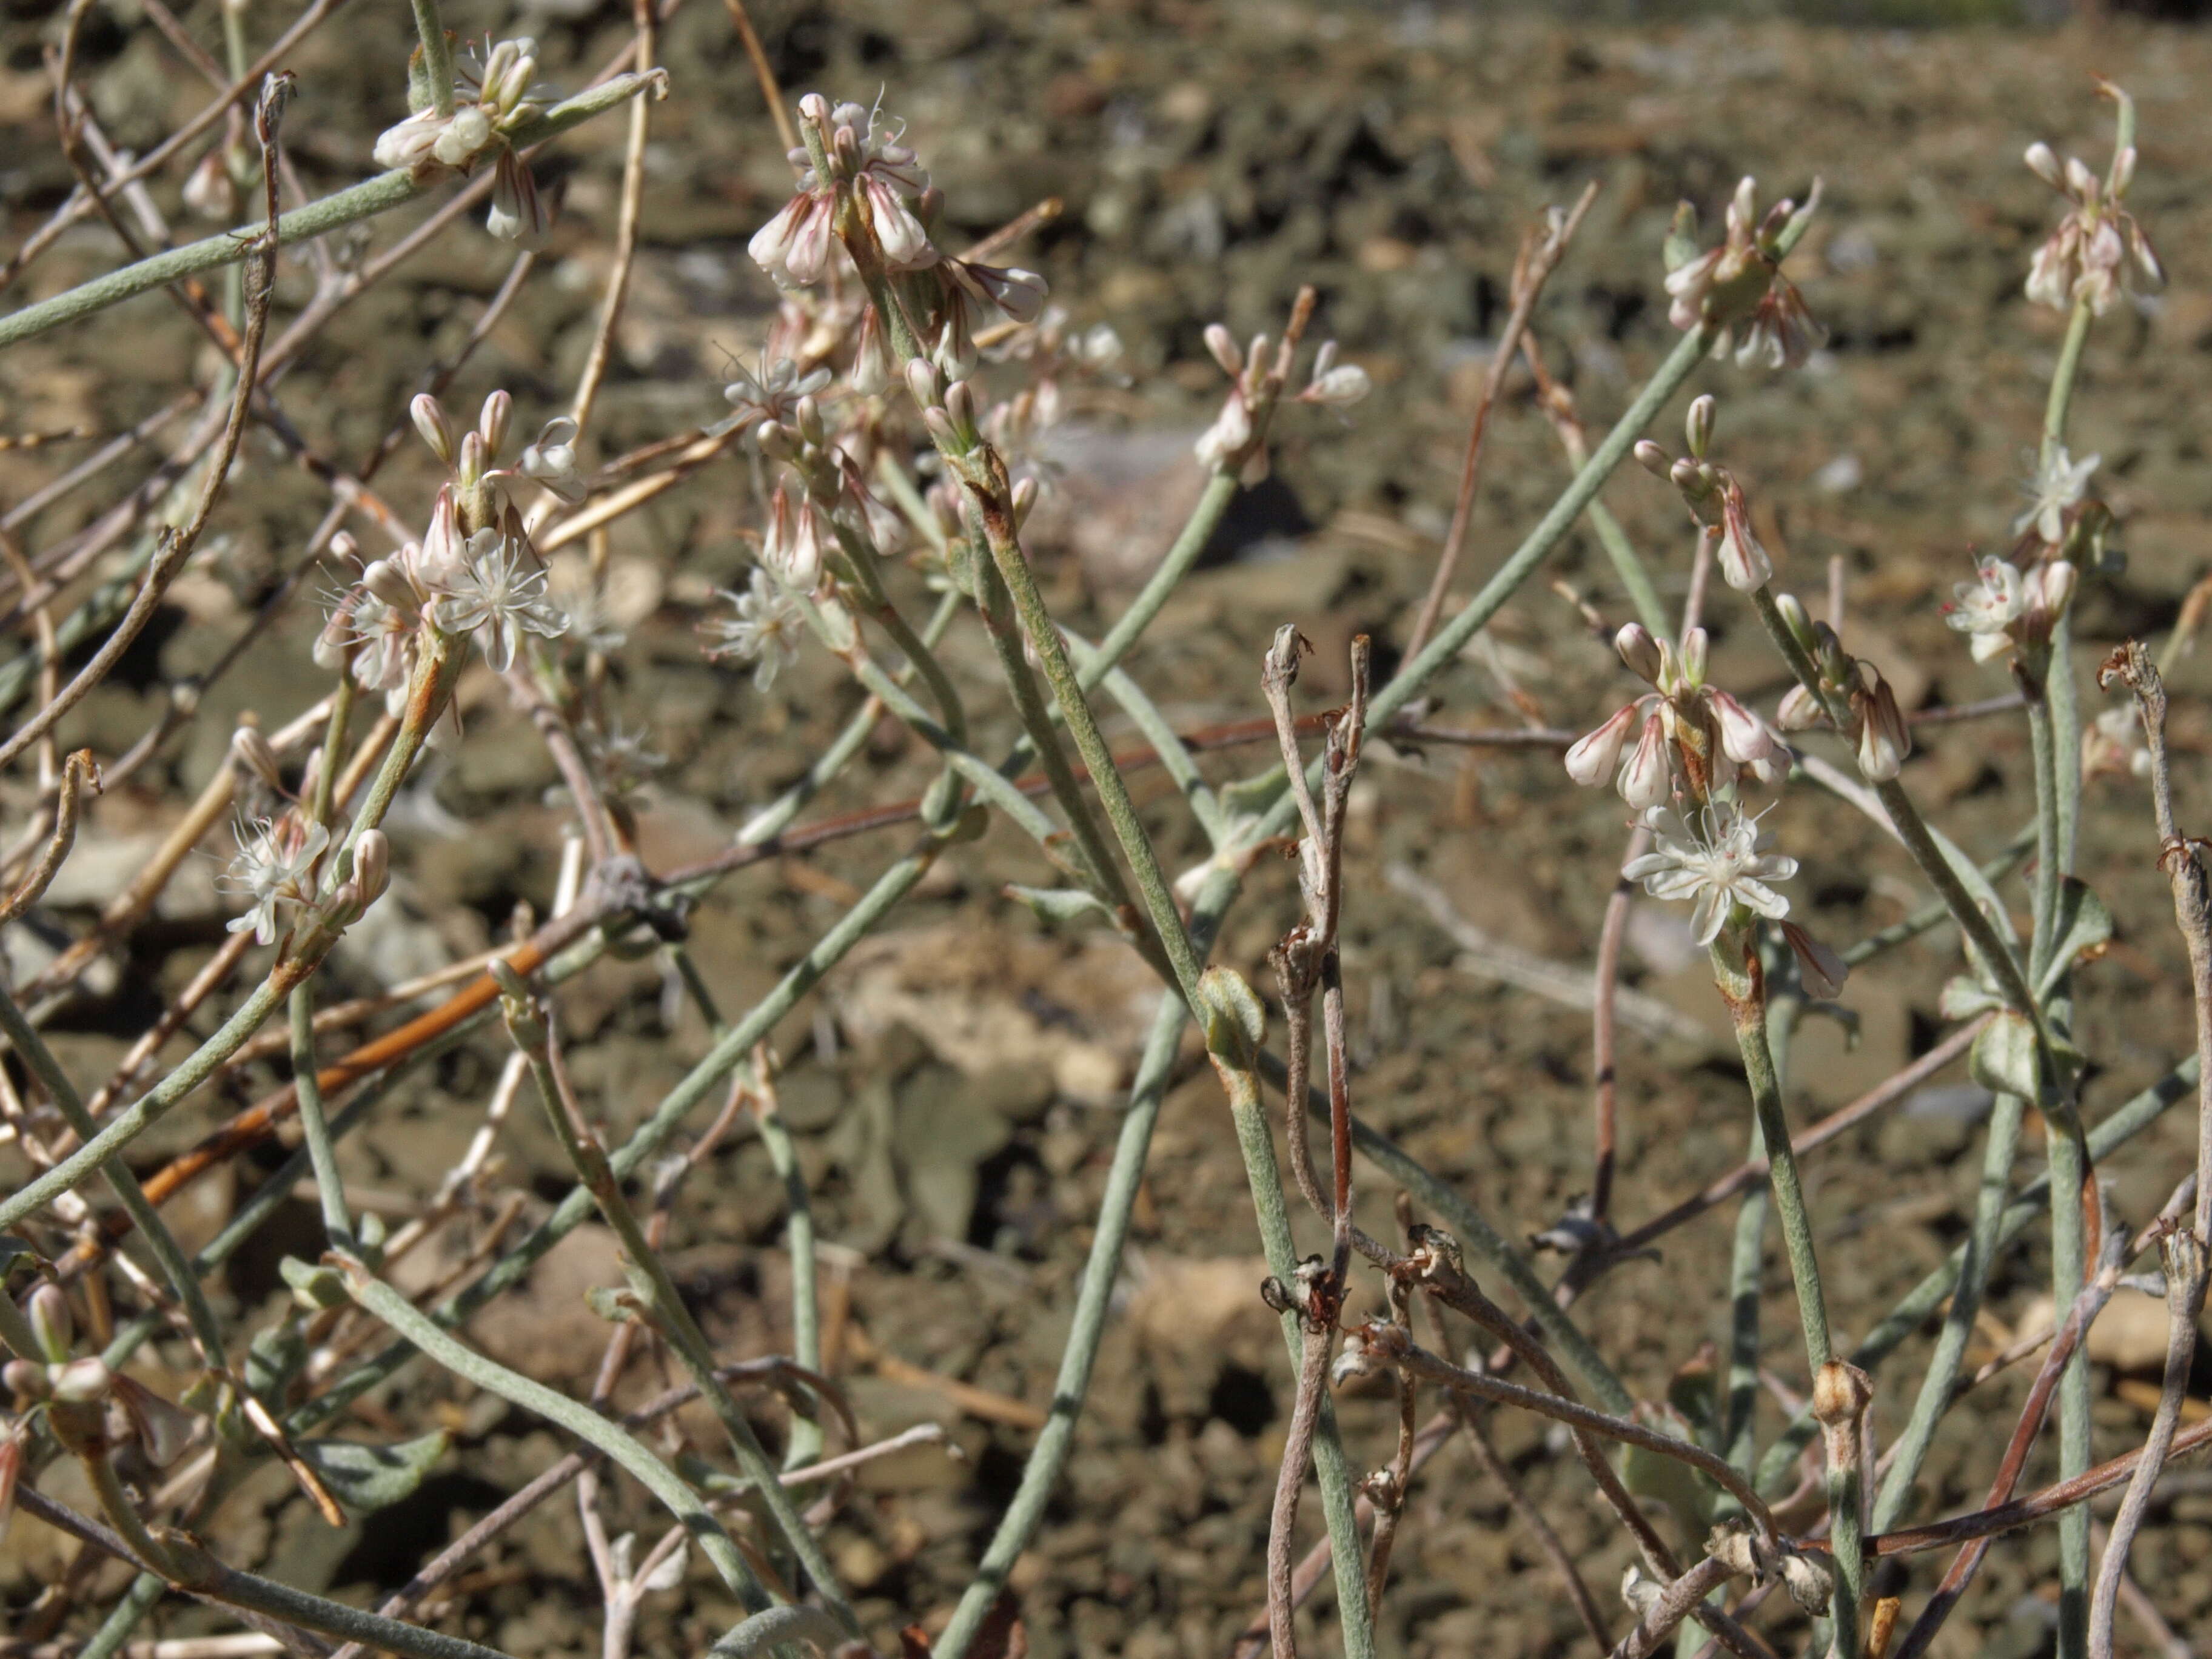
(804,1444)
(1093,1300)
(1940,1381)
(648,1276)
(437,55)
(1013,568)
(128,1611)
(1681,364)
(1628,565)
(2047,856)
(160,1240)
(1778,1467)
(2069,1268)
(1095,860)
(2061,399)
(771,820)
(419,1330)
(322,1153)
(1255,1141)
(1743,991)
(379,195)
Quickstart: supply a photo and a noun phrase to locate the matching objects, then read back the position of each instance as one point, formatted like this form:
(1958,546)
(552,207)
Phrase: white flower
(2091,254)
(2056,485)
(273,868)
(1986,608)
(1740,284)
(764,632)
(1718,863)
(551,461)
(771,393)
(494,595)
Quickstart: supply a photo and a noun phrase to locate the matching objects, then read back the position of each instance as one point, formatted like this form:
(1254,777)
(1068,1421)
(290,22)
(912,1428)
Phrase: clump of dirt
(954,1087)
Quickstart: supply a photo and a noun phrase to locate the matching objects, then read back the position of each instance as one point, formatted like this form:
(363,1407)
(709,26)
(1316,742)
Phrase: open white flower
(496,598)
(273,869)
(2056,486)
(1986,608)
(764,632)
(1717,862)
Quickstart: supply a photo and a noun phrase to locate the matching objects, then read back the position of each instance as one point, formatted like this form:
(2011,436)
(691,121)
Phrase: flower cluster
(1874,724)
(91,1409)
(2092,254)
(474,572)
(1254,382)
(764,632)
(1715,500)
(1716,858)
(1691,738)
(2001,610)
(862,187)
(492,96)
(1739,285)
(2054,491)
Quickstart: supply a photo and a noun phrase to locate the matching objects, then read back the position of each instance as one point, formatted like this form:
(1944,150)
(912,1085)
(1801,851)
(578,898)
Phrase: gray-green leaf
(368,1478)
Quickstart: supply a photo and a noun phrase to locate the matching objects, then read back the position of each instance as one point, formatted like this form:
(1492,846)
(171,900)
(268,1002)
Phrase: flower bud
(925,385)
(1884,738)
(1647,781)
(2054,587)
(1689,477)
(777,441)
(1595,754)
(960,405)
(806,416)
(164,1429)
(50,1322)
(1744,737)
(371,865)
(2124,172)
(492,423)
(1342,387)
(430,417)
(1652,458)
(1697,650)
(25,1380)
(1698,424)
(251,751)
(872,363)
(469,466)
(2044,164)
(1222,345)
(1640,652)
(1795,618)
(1025,497)
(1829,656)
(1799,710)
(1743,561)
(461,138)
(2081,183)
(81,1382)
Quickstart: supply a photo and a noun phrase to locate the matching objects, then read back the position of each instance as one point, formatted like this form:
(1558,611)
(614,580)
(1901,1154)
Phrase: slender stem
(1013,567)
(1742,987)
(1938,1384)
(329,1185)
(648,1275)
(2048,857)
(1913,1310)
(803,1444)
(2068,1163)
(2061,398)
(32,1047)
(379,195)
(419,1330)
(1256,1142)
(437,55)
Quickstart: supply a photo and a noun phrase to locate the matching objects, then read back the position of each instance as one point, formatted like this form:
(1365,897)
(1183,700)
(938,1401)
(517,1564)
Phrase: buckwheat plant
(885,450)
